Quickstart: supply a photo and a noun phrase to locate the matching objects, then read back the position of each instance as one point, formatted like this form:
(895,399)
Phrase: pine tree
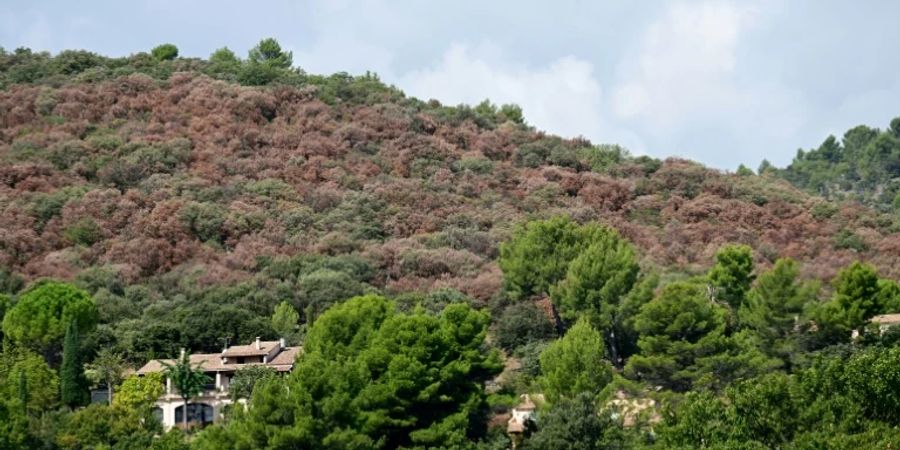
(732,275)
(575,364)
(72,383)
(596,283)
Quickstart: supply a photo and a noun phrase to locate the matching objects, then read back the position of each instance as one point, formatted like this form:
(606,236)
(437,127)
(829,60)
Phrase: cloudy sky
(722,82)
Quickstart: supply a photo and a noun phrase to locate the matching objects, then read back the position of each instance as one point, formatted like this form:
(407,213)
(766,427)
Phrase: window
(197,412)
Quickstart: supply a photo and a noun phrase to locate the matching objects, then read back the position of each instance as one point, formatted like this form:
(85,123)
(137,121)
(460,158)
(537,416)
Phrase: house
(885,321)
(520,421)
(208,406)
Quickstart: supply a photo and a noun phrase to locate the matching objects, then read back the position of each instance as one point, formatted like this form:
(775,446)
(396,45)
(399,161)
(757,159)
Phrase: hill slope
(190,197)
(153,176)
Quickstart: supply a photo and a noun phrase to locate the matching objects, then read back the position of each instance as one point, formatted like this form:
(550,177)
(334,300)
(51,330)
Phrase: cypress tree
(23,392)
(72,382)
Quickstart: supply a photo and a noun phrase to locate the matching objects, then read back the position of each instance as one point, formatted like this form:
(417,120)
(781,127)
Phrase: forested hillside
(152,203)
(864,165)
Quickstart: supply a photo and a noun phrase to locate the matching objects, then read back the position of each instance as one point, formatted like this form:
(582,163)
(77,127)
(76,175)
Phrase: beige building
(208,406)
(885,321)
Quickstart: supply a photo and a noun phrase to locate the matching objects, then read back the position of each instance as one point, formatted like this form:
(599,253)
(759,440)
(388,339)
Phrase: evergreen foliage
(574,364)
(596,284)
(164,52)
(372,377)
(42,313)
(285,321)
(72,382)
(732,274)
(538,255)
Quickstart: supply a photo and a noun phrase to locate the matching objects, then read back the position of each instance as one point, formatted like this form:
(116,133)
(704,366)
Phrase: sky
(720,82)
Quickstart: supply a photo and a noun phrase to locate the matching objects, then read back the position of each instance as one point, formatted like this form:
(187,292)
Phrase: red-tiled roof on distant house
(256,349)
(210,362)
(886,319)
(279,357)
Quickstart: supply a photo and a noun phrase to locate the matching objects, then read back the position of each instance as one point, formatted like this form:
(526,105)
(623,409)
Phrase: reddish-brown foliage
(424,199)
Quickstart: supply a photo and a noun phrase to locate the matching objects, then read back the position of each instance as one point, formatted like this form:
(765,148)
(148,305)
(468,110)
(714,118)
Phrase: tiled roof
(886,319)
(287,357)
(212,362)
(250,350)
(209,362)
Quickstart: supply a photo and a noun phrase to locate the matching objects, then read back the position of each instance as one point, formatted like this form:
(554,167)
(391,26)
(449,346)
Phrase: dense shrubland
(157,202)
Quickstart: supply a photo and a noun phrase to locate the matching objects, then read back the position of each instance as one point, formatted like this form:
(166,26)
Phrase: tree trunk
(613,348)
(109,392)
(184,415)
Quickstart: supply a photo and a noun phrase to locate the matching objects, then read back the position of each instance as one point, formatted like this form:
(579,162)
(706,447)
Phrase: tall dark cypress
(23,392)
(72,382)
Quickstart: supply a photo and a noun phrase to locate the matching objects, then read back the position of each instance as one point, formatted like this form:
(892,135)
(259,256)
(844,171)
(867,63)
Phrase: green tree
(41,384)
(538,255)
(140,393)
(675,328)
(857,291)
(856,299)
(164,52)
(888,296)
(223,63)
(577,424)
(744,171)
(512,112)
(684,345)
(732,274)
(765,409)
(104,426)
(14,427)
(223,56)
(245,380)
(285,321)
(22,392)
(699,420)
(5,304)
(320,289)
(10,283)
(596,283)
(266,63)
(40,316)
(774,306)
(268,51)
(574,363)
(373,377)
(72,381)
(107,368)
(522,323)
(188,379)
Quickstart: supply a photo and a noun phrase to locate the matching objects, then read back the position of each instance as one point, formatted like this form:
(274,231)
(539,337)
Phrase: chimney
(282,343)
(182,353)
(257,343)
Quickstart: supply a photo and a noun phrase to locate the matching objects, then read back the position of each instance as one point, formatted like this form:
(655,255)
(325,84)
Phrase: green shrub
(164,52)
(85,232)
(848,240)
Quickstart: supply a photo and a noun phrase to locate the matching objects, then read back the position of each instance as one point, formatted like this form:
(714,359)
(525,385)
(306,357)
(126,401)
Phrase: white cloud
(683,64)
(562,97)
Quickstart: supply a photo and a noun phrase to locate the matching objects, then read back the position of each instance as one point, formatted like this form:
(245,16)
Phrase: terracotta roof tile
(212,362)
(250,350)
(886,319)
